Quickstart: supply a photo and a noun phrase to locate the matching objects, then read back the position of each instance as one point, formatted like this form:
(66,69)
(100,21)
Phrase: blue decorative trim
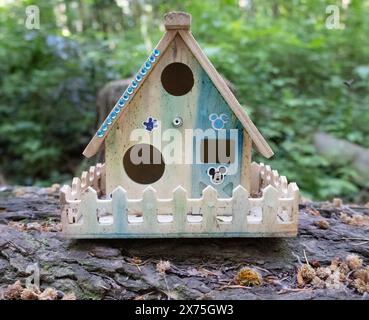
(143,71)
(121,102)
(130,90)
(138,78)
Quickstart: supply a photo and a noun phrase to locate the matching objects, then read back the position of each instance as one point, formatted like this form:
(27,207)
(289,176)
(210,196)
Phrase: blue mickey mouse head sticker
(218,122)
(150,124)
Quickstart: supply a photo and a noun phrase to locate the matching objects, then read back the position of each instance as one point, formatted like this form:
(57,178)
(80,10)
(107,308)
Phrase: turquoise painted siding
(211,102)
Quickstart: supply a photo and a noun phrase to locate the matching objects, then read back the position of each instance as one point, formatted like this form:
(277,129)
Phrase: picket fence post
(119,207)
(240,209)
(149,210)
(180,209)
(270,208)
(209,205)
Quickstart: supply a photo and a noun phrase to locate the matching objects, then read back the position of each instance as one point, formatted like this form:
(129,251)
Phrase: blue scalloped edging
(127,94)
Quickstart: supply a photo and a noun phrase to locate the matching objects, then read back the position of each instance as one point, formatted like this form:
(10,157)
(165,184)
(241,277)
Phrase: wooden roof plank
(258,140)
(94,145)
(227,94)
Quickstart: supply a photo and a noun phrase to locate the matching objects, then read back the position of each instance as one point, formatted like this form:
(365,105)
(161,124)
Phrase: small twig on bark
(262,269)
(297,257)
(306,259)
(287,290)
(17,247)
(233,286)
(345,207)
(358,239)
(360,243)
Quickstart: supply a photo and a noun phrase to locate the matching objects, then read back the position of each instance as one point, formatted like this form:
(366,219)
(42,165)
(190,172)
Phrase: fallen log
(30,239)
(342,152)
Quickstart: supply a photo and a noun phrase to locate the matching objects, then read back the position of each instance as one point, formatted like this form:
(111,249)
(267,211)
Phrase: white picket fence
(274,213)
(94,177)
(263,175)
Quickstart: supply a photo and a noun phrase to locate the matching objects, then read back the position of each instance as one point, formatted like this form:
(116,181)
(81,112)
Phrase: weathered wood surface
(199,268)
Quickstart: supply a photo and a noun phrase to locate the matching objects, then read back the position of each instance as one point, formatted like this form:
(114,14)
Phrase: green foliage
(288,69)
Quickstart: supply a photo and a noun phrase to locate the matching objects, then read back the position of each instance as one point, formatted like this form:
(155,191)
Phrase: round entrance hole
(177,79)
(143,163)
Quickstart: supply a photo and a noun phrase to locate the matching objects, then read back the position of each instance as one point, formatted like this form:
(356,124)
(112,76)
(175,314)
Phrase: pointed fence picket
(180,207)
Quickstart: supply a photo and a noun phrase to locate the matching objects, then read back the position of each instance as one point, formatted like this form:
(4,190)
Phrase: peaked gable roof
(177,27)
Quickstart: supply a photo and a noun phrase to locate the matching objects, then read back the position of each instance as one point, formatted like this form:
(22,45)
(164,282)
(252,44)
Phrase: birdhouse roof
(177,24)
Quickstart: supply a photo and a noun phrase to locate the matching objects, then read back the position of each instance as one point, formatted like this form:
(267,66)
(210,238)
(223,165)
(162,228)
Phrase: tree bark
(199,268)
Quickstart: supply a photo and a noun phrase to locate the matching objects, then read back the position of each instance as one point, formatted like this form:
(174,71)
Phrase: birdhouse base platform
(268,209)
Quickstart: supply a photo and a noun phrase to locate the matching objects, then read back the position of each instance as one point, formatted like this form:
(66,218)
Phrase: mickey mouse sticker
(218,122)
(217,174)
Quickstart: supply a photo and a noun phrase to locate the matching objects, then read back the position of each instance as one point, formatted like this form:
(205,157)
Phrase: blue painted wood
(211,102)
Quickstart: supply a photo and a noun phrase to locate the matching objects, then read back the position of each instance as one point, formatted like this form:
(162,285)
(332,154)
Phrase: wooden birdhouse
(178,149)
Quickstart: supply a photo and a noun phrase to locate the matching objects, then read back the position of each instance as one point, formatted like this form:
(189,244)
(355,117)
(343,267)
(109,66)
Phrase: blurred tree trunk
(345,153)
(107,97)
(2,179)
(275,8)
